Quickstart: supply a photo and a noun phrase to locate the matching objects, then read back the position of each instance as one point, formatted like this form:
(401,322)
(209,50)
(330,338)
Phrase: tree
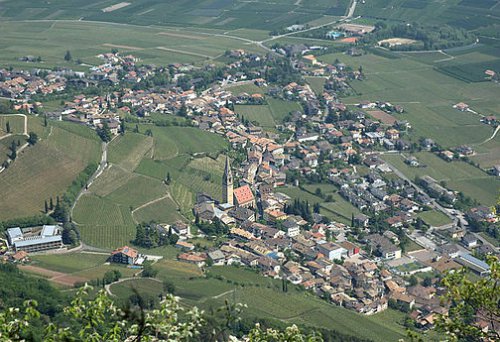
(168,287)
(46,208)
(148,271)
(182,111)
(472,301)
(7,127)
(33,138)
(13,150)
(45,121)
(104,132)
(67,56)
(413,280)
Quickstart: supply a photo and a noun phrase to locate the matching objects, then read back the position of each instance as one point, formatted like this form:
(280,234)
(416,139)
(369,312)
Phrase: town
(367,264)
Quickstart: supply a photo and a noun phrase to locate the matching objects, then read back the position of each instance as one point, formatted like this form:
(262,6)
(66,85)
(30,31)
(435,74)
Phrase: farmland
(269,115)
(51,166)
(468,179)
(132,188)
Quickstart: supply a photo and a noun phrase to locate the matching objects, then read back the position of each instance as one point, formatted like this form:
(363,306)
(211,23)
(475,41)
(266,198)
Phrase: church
(239,197)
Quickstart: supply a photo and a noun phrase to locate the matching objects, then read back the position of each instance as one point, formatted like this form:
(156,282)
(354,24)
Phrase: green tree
(67,56)
(470,301)
(33,138)
(7,127)
(104,132)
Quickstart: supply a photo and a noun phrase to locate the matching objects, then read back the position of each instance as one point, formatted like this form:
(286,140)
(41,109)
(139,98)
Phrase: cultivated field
(132,188)
(458,175)
(51,165)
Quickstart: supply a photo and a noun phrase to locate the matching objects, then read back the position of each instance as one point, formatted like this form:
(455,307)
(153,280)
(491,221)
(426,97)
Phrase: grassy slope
(50,166)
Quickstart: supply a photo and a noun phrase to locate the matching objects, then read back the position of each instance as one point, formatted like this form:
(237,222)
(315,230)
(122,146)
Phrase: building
(124,255)
(332,251)
(35,239)
(227,184)
(383,247)
(243,197)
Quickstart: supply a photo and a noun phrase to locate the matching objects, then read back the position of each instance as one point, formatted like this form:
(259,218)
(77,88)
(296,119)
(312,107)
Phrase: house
(180,228)
(124,255)
(35,239)
(19,257)
(291,227)
(351,248)
(243,197)
(383,247)
(477,266)
(197,259)
(184,245)
(469,241)
(361,220)
(332,251)
(217,257)
(461,106)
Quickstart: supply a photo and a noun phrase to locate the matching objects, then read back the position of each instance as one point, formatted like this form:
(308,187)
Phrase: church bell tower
(227,184)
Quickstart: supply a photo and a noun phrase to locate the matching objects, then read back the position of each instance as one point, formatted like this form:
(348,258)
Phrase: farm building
(35,239)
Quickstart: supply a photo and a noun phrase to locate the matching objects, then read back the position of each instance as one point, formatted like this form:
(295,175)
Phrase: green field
(51,165)
(132,188)
(338,209)
(217,15)
(16,124)
(270,115)
(458,175)
(434,218)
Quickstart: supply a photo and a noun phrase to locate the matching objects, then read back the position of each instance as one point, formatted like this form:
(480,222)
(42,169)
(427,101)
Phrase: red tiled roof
(243,194)
(130,252)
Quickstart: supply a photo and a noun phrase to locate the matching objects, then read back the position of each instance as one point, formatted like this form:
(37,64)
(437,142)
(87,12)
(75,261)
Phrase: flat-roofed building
(35,239)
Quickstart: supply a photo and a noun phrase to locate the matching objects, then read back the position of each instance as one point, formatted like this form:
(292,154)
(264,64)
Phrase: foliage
(470,302)
(104,132)
(427,37)
(152,235)
(38,220)
(33,138)
(100,319)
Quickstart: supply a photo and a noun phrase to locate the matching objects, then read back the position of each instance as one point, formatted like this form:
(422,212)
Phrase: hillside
(46,169)
(132,188)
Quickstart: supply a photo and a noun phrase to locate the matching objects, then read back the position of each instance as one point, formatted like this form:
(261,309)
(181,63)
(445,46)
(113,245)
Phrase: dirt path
(53,276)
(492,136)
(107,288)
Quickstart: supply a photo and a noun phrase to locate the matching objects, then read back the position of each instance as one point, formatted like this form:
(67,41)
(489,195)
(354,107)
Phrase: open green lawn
(69,263)
(261,114)
(317,84)
(458,175)
(16,124)
(434,218)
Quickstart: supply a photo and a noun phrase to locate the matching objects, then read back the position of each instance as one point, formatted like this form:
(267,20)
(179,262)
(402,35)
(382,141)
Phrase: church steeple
(227,184)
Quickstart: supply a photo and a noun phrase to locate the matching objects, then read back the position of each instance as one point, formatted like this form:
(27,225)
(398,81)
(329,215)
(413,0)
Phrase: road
(102,166)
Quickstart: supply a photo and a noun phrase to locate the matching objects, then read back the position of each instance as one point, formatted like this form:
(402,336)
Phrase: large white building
(35,239)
